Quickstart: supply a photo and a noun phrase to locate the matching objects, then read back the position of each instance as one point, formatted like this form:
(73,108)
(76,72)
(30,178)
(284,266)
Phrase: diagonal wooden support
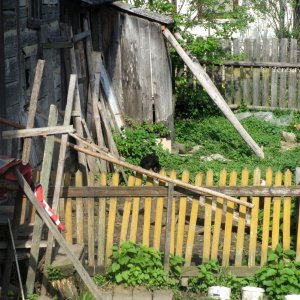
(59,172)
(59,238)
(38,223)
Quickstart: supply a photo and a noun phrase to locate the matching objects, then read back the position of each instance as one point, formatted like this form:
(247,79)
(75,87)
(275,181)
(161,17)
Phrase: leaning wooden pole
(213,92)
(197,189)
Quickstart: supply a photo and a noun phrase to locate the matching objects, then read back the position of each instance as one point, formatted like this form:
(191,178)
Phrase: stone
(163,295)
(288,136)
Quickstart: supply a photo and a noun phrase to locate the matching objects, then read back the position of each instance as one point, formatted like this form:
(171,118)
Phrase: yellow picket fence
(105,213)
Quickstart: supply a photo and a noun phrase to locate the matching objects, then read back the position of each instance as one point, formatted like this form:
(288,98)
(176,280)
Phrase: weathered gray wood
(80,36)
(23,244)
(59,238)
(274,74)
(60,170)
(168,228)
(32,108)
(236,74)
(282,73)
(214,94)
(266,73)
(246,73)
(42,131)
(143,13)
(292,75)
(256,73)
(261,64)
(38,224)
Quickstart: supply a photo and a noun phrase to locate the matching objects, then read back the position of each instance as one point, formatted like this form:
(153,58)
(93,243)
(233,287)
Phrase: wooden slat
(218,219)
(248,49)
(42,131)
(241,223)
(254,221)
(256,73)
(266,220)
(236,74)
(298,234)
(101,224)
(158,217)
(135,211)
(266,73)
(276,213)
(181,218)
(91,224)
(126,213)
(68,213)
(282,73)
(292,75)
(228,224)
(287,213)
(79,210)
(274,74)
(192,225)
(111,221)
(173,219)
(207,218)
(32,108)
(147,216)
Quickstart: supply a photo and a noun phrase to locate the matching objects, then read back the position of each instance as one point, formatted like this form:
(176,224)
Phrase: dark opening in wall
(34,14)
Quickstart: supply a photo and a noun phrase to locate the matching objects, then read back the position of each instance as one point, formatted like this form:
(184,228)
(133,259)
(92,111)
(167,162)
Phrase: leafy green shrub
(86,296)
(211,274)
(54,273)
(137,140)
(136,264)
(280,275)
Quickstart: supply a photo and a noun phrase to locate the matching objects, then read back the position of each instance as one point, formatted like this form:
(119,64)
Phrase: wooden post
(60,170)
(59,238)
(213,92)
(32,108)
(168,228)
(38,223)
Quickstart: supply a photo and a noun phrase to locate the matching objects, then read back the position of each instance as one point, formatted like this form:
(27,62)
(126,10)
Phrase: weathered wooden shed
(134,55)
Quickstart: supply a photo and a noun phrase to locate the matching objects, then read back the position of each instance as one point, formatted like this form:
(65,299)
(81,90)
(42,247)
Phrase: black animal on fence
(150,162)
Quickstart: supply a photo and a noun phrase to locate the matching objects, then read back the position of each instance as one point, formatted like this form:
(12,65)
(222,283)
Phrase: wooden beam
(60,170)
(161,191)
(213,92)
(38,223)
(81,36)
(256,64)
(32,108)
(57,45)
(59,238)
(42,131)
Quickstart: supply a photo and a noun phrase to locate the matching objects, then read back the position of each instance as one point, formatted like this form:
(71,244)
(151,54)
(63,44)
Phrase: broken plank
(13,134)
(59,238)
(81,36)
(32,108)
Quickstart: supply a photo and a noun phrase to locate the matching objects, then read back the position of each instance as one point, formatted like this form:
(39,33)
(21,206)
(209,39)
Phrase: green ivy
(280,275)
(54,273)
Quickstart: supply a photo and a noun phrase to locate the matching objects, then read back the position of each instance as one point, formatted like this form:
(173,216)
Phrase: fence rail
(106,214)
(269,75)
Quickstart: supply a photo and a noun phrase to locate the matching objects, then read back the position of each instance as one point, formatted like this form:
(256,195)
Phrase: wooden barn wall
(137,60)
(22,49)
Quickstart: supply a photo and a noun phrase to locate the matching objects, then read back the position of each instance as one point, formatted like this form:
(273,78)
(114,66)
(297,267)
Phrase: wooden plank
(60,170)
(79,211)
(236,74)
(287,204)
(292,75)
(241,223)
(42,131)
(111,222)
(298,234)
(173,215)
(274,74)
(266,73)
(91,225)
(218,219)
(256,73)
(81,36)
(207,218)
(68,213)
(45,181)
(213,92)
(158,217)
(247,91)
(102,224)
(147,216)
(282,73)
(32,108)
(228,224)
(254,221)
(126,213)
(276,213)
(52,227)
(135,211)
(192,226)
(181,218)
(261,64)
(169,235)
(266,221)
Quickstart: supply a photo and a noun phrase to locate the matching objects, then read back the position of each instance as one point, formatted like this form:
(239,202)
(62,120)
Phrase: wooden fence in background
(268,76)
(105,213)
